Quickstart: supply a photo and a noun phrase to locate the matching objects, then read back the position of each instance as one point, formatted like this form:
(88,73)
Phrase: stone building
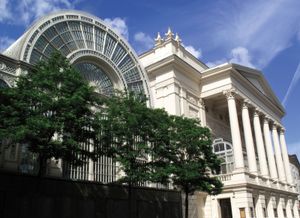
(234,101)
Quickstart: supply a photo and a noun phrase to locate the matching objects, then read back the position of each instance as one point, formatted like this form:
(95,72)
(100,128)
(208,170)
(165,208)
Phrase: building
(234,101)
(295,167)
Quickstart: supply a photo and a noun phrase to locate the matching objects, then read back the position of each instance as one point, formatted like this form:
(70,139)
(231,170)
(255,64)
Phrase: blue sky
(264,34)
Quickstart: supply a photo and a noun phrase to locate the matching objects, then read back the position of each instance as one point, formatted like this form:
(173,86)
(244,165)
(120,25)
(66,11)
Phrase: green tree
(191,159)
(51,110)
(130,131)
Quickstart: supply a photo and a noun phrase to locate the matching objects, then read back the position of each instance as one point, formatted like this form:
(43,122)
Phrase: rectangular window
(242,213)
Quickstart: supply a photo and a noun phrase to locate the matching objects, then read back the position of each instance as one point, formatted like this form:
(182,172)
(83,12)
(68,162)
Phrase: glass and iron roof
(97,76)
(77,34)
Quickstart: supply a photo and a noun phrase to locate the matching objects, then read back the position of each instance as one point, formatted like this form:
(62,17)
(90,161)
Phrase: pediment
(256,78)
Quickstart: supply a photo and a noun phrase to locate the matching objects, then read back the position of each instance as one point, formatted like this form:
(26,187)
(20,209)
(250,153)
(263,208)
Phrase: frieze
(193,99)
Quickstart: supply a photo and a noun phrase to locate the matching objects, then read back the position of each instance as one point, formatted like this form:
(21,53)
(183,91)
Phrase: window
(224,151)
(242,213)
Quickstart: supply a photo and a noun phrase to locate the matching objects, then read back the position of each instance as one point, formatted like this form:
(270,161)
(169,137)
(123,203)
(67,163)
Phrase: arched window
(224,151)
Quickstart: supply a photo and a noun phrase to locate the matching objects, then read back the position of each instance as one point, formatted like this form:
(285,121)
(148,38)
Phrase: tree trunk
(186,204)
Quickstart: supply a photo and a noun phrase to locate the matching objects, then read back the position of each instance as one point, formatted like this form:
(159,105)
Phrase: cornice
(178,63)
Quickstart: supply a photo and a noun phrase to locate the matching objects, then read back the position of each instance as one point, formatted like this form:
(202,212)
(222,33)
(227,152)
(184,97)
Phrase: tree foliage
(130,130)
(50,110)
(191,159)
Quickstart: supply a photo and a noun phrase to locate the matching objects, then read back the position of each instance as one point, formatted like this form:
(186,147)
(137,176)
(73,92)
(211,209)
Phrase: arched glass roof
(97,77)
(77,34)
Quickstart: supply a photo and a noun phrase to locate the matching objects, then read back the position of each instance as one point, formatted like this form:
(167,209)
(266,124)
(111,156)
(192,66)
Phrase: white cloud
(145,41)
(4,8)
(240,55)
(119,25)
(5,42)
(216,63)
(196,52)
(292,85)
(29,10)
(265,28)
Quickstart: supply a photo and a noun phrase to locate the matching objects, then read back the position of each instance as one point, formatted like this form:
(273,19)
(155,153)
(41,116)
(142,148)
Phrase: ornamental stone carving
(230,94)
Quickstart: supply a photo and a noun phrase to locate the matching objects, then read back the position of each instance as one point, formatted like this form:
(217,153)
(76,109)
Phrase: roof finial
(158,39)
(169,34)
(177,39)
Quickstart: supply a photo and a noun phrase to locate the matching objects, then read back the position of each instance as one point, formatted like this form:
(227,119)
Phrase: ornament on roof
(177,39)
(158,39)
(169,34)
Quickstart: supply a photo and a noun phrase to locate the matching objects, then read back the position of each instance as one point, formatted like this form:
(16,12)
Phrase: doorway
(225,205)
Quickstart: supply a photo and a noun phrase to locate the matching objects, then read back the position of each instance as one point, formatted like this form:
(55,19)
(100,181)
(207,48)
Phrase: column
(235,130)
(269,149)
(285,157)
(279,162)
(249,138)
(260,145)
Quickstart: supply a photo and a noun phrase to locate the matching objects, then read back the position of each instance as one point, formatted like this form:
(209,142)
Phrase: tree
(130,130)
(191,159)
(51,110)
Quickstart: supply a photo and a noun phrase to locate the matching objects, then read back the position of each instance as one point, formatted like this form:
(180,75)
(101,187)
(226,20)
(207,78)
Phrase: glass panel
(97,77)
(221,147)
(126,64)
(119,53)
(136,87)
(109,45)
(132,75)
(99,38)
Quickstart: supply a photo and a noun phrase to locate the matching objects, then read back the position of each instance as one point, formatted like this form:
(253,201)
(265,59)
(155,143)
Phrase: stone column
(269,149)
(260,145)
(235,130)
(278,157)
(249,138)
(285,158)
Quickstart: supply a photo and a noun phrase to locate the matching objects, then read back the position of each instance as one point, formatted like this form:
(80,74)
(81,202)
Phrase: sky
(263,34)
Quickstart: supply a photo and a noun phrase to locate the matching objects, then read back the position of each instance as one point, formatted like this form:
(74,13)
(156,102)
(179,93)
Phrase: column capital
(276,125)
(282,130)
(230,93)
(257,112)
(267,119)
(246,104)
(201,102)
